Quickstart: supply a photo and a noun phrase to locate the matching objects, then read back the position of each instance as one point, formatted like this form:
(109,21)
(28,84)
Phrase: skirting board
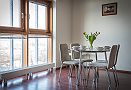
(122,71)
(119,71)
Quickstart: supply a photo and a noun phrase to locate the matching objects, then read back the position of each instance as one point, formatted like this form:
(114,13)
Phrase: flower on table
(91,37)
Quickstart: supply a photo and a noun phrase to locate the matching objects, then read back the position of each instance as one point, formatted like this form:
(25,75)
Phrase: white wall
(87,16)
(62,31)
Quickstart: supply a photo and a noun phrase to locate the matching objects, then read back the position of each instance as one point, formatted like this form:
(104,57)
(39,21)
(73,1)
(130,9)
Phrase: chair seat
(84,60)
(101,61)
(71,62)
(99,65)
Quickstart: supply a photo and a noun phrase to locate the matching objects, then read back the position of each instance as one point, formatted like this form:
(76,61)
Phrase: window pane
(42,50)
(37,51)
(10,13)
(37,18)
(33,16)
(17,53)
(5,13)
(10,52)
(16,13)
(32,51)
(5,63)
(41,17)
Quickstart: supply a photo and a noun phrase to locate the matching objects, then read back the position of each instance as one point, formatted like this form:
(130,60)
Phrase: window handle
(22,15)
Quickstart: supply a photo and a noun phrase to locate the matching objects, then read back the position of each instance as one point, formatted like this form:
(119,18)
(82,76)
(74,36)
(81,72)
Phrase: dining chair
(84,61)
(65,59)
(109,65)
(76,55)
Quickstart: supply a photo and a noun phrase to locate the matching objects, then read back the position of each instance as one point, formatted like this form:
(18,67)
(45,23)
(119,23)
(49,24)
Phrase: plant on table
(91,37)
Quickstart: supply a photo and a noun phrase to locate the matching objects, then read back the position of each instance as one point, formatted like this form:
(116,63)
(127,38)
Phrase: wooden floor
(49,81)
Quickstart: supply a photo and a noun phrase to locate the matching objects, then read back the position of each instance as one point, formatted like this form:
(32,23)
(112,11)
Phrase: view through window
(38,52)
(11,49)
(10,13)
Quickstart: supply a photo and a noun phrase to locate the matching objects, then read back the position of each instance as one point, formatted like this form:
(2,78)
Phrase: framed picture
(109,9)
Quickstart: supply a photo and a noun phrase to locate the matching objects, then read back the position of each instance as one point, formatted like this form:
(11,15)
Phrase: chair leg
(76,73)
(109,79)
(97,74)
(60,72)
(88,74)
(116,75)
(70,71)
(95,80)
(84,79)
(83,70)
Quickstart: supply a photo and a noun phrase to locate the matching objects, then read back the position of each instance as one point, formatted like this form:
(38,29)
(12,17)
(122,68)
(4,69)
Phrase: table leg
(79,69)
(97,72)
(105,56)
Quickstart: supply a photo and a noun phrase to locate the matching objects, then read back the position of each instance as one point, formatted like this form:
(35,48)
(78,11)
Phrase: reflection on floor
(49,81)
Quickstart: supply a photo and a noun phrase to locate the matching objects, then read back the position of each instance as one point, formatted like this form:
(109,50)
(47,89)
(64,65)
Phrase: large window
(18,20)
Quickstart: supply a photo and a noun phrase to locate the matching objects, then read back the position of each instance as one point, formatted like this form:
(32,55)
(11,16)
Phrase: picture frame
(109,9)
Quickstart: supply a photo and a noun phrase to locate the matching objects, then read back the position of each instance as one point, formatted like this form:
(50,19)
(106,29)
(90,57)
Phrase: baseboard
(122,71)
(118,71)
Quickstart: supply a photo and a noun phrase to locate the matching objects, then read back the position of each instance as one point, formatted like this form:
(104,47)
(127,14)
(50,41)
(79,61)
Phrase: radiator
(24,71)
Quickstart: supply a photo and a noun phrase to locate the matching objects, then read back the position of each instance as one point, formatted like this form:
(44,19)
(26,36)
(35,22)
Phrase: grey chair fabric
(64,53)
(75,55)
(118,47)
(112,57)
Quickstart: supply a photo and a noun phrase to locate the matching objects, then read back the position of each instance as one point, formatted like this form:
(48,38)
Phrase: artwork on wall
(109,9)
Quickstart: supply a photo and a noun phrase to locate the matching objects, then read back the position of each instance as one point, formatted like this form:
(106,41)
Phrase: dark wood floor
(49,81)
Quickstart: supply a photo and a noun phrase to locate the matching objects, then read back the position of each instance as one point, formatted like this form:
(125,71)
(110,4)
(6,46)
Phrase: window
(18,52)
(38,51)
(37,16)
(40,17)
(10,15)
(10,52)
(20,19)
(5,63)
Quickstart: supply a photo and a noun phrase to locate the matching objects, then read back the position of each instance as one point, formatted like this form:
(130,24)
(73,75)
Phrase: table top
(94,50)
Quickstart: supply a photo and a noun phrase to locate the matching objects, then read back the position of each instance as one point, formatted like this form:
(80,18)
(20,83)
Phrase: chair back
(118,47)
(75,55)
(64,52)
(112,57)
